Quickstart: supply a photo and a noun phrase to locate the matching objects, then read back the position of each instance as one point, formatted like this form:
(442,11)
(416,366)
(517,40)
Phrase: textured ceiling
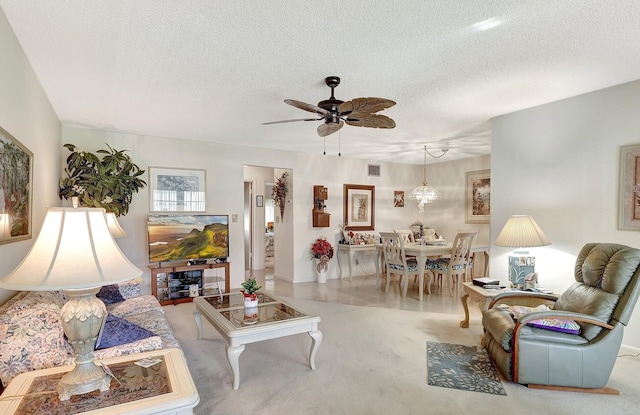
(216,70)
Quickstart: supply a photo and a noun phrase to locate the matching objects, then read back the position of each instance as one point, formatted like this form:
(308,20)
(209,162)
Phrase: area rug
(462,367)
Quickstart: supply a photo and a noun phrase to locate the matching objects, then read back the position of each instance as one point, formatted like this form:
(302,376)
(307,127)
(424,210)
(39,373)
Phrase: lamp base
(82,317)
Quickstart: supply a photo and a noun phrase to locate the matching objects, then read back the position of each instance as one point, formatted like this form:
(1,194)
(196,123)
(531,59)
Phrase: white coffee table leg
(233,356)
(197,317)
(316,339)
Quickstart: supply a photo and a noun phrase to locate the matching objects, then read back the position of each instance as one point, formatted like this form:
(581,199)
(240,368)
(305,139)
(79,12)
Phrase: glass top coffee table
(272,318)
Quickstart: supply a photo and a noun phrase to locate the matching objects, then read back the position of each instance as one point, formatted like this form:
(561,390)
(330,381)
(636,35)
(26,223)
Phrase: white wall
(560,163)
(225,174)
(25,112)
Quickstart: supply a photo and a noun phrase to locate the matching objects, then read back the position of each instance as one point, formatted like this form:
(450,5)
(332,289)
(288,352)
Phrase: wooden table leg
(465,323)
(316,339)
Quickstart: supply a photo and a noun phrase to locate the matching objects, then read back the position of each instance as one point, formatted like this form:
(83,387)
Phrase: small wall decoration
(478,196)
(259,201)
(398,198)
(176,190)
(359,207)
(16,187)
(279,192)
(629,215)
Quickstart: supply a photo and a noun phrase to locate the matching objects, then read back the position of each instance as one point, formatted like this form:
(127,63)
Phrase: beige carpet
(371,361)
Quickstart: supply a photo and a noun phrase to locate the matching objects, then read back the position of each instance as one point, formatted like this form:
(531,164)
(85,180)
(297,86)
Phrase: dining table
(422,251)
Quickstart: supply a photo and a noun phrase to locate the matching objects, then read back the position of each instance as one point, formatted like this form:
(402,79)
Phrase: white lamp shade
(73,250)
(114,227)
(521,231)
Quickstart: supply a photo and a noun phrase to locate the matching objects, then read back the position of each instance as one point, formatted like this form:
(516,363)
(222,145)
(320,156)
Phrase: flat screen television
(187,237)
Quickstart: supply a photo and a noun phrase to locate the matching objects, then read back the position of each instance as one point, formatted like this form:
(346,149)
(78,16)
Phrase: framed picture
(629,215)
(478,196)
(16,189)
(176,190)
(398,198)
(359,207)
(259,201)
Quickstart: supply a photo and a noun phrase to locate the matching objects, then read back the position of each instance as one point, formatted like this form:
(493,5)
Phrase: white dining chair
(458,264)
(397,263)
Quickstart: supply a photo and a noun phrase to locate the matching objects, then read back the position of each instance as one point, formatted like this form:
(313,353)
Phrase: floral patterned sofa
(31,336)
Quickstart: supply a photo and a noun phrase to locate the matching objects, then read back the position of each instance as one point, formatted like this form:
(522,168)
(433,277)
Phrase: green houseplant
(108,182)
(250,288)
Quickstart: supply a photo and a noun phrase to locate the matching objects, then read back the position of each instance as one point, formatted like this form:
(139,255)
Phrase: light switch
(234,217)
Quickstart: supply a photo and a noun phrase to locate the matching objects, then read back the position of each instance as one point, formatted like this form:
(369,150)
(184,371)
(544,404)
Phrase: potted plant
(108,182)
(250,287)
(322,252)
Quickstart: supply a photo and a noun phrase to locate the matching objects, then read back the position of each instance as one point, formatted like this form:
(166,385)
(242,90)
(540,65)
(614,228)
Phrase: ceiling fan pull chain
(339,143)
(324,152)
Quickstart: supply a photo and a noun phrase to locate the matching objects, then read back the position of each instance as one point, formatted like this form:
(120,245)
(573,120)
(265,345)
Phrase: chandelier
(426,193)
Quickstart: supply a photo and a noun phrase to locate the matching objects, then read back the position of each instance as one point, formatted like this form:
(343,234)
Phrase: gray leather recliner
(600,301)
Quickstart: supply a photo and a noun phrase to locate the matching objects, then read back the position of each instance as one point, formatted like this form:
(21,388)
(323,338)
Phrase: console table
(165,388)
(351,250)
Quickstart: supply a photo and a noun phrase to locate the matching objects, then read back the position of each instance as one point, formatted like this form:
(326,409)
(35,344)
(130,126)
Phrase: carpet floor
(371,361)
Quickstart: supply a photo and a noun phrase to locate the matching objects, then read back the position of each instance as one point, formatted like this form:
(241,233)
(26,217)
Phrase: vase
(321,271)
(251,301)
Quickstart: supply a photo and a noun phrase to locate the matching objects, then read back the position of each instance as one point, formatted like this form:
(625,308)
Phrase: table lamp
(75,252)
(114,227)
(521,231)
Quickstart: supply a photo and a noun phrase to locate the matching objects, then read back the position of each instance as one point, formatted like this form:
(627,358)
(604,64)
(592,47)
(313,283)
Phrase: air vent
(374,170)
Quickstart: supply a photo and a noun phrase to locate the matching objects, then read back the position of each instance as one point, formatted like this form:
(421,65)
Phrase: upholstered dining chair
(573,345)
(397,263)
(458,264)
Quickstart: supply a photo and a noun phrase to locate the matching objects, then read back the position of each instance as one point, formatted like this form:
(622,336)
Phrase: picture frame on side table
(359,207)
(176,190)
(16,189)
(478,196)
(629,199)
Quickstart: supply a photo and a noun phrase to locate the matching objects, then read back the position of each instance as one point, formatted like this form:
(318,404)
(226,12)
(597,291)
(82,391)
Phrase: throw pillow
(110,294)
(555,324)
(116,331)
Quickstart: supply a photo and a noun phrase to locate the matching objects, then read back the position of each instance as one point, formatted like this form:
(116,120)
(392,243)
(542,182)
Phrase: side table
(165,388)
(484,296)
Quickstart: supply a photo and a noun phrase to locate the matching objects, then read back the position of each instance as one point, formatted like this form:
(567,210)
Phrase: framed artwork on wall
(176,190)
(478,196)
(359,207)
(398,198)
(629,209)
(16,189)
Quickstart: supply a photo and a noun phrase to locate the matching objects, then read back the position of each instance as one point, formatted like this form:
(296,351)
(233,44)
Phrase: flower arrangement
(108,182)
(322,250)
(279,192)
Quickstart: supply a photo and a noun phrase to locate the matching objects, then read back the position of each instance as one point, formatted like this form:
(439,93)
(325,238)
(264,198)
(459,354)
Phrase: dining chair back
(458,264)
(396,261)
(406,234)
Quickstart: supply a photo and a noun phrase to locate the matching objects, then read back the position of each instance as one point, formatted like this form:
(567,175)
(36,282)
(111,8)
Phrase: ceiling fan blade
(293,120)
(371,121)
(329,128)
(364,106)
(306,107)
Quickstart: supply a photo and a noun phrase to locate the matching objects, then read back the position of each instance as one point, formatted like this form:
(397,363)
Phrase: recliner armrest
(567,315)
(522,297)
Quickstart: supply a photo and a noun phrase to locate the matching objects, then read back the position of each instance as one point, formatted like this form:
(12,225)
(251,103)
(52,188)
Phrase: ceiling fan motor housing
(332,103)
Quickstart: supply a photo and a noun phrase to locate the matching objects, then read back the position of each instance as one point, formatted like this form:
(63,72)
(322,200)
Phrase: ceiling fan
(359,112)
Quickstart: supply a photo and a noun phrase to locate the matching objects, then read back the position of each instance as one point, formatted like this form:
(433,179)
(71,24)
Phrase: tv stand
(171,284)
